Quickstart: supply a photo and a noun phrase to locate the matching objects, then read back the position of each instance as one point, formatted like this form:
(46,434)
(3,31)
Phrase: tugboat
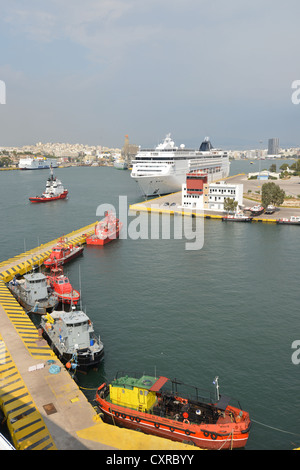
(256,210)
(62,253)
(33,293)
(62,287)
(293,220)
(236,217)
(106,230)
(159,407)
(72,337)
(54,190)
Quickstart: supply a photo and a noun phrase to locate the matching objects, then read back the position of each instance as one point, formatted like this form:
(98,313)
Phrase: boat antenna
(80,288)
(216,383)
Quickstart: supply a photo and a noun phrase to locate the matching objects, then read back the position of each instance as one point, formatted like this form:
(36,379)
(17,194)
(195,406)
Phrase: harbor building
(198,194)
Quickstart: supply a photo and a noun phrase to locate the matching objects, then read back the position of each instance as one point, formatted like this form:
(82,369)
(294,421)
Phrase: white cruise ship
(163,170)
(36,163)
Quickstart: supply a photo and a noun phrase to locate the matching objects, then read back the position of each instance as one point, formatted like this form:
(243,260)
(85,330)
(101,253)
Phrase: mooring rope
(276,429)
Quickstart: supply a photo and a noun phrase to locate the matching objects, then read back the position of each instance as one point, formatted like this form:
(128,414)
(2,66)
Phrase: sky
(91,72)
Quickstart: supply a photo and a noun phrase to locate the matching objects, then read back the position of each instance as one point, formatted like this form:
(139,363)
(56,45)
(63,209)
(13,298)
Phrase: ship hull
(48,199)
(204,436)
(158,185)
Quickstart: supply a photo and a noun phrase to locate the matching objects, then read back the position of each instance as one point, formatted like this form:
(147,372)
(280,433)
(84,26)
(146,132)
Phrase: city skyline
(97,71)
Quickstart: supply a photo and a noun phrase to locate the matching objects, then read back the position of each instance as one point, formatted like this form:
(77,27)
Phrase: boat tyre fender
(156,425)
(123,416)
(172,429)
(187,432)
(213,436)
(206,433)
(131,418)
(137,420)
(117,414)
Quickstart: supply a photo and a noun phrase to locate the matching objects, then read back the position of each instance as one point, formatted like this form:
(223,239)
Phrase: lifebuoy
(147,382)
(186,421)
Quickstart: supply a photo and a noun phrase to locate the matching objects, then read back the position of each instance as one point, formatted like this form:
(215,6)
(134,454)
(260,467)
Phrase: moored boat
(293,220)
(159,407)
(62,253)
(62,287)
(33,293)
(106,230)
(236,217)
(54,191)
(72,337)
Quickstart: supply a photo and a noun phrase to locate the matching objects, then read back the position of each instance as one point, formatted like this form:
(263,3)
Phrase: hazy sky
(92,71)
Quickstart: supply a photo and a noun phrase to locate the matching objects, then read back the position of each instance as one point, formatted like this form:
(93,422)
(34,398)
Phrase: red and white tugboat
(236,217)
(106,230)
(170,409)
(62,287)
(54,190)
(62,253)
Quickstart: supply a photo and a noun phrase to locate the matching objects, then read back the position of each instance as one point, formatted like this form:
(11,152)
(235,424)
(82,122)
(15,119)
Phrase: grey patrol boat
(71,336)
(33,293)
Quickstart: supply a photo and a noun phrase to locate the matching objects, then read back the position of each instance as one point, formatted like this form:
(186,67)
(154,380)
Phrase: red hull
(223,435)
(94,240)
(48,199)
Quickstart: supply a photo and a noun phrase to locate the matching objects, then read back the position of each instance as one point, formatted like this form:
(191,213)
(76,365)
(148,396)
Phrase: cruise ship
(36,163)
(163,170)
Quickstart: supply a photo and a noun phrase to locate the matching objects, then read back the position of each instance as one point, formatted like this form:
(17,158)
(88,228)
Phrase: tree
(273,168)
(271,194)
(230,204)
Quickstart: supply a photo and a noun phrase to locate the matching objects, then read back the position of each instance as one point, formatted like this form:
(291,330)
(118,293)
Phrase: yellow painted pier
(46,411)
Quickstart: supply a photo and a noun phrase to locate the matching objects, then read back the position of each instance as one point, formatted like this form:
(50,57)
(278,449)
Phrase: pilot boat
(72,337)
(33,293)
(170,409)
(62,287)
(237,217)
(54,190)
(62,253)
(293,220)
(106,230)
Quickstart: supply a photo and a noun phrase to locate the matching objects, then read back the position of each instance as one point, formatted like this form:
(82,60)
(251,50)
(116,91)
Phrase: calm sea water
(230,309)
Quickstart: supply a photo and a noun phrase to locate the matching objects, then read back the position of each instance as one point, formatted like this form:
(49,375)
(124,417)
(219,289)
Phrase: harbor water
(229,309)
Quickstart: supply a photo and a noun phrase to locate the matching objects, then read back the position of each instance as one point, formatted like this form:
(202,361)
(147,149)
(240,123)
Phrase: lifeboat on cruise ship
(62,253)
(170,409)
(106,230)
(62,287)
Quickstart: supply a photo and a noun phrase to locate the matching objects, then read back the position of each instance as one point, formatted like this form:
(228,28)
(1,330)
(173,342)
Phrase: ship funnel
(206,145)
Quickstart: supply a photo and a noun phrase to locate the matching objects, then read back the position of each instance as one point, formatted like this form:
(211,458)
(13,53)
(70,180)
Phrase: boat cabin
(135,393)
(72,328)
(35,286)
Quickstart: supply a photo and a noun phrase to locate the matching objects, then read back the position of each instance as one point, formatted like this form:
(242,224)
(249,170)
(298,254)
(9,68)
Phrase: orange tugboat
(170,409)
(106,230)
(62,253)
(62,287)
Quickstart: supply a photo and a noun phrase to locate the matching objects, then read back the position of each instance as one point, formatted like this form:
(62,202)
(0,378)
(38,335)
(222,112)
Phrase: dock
(43,406)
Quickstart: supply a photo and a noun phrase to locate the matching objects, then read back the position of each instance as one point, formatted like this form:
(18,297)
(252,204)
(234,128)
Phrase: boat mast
(216,383)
